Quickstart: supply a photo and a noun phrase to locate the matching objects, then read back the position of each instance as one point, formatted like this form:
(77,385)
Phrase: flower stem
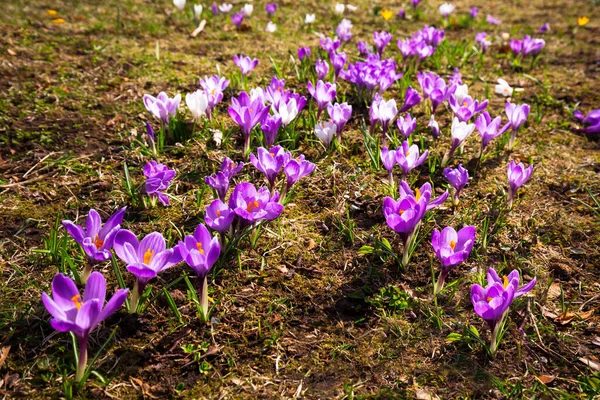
(204,300)
(494,339)
(134,301)
(87,270)
(82,364)
(439,284)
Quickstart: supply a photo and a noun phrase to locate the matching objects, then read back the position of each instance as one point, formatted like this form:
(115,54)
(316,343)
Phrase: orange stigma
(465,103)
(407,153)
(252,205)
(148,256)
(452,244)
(218,213)
(199,247)
(98,242)
(77,300)
(489,299)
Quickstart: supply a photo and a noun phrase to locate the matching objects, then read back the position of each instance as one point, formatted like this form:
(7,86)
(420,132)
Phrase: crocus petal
(112,222)
(87,316)
(115,302)
(141,272)
(75,231)
(63,291)
(52,307)
(154,242)
(93,222)
(126,245)
(95,288)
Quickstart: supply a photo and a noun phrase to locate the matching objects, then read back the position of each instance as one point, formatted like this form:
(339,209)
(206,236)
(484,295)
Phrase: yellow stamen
(407,153)
(77,300)
(279,88)
(452,244)
(400,212)
(418,196)
(505,282)
(218,213)
(252,205)
(148,256)
(212,92)
(272,154)
(465,103)
(58,21)
(98,242)
(582,21)
(250,110)
(199,246)
(489,299)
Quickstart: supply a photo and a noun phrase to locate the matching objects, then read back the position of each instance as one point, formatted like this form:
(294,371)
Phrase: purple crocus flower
(483,40)
(384,112)
(72,314)
(492,20)
(451,248)
(466,107)
(162,106)
(323,93)
(254,206)
(145,259)
(247,114)
(237,19)
(408,158)
(158,178)
(517,115)
(322,69)
(532,46)
(150,132)
(434,88)
(270,162)
(516,46)
(271,8)
(245,63)
(338,60)
(489,129)
(590,121)
(344,30)
(329,45)
(220,180)
(339,114)
(434,127)
(517,176)
(201,251)
(303,52)
(411,99)
(406,125)
(492,302)
(219,216)
(381,40)
(96,240)
(405,191)
(473,12)
(415,3)
(363,48)
(270,127)
(388,159)
(544,28)
(401,14)
(214,9)
(458,178)
(213,87)
(296,169)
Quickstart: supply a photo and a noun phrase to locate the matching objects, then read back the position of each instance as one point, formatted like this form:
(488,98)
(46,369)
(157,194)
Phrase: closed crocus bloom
(145,259)
(483,40)
(237,19)
(271,8)
(446,9)
(201,251)
(388,158)
(489,129)
(245,63)
(71,313)
(253,205)
(286,111)
(248,9)
(492,302)
(338,60)
(411,99)
(95,239)
(220,180)
(407,157)
(271,27)
(406,125)
(303,52)
(381,40)
(309,19)
(591,121)
(214,87)
(458,178)
(323,93)
(461,92)
(339,8)
(197,102)
(460,132)
(451,248)
(516,46)
(270,127)
(325,131)
(198,10)
(518,175)
(517,115)
(270,162)
(219,216)
(340,114)
(180,4)
(532,46)
(158,178)
(296,169)
(322,68)
(544,28)
(247,114)
(162,106)
(344,30)
(434,127)
(384,112)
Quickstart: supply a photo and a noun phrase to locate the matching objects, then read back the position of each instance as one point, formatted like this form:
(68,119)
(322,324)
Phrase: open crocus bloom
(270,162)
(424,190)
(451,247)
(408,157)
(219,216)
(200,250)
(253,205)
(162,106)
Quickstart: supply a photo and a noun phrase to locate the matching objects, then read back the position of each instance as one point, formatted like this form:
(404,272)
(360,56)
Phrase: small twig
(11,185)
(38,163)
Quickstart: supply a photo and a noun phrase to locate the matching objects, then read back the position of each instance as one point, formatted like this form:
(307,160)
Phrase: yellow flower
(386,14)
(582,21)
(58,21)
(51,13)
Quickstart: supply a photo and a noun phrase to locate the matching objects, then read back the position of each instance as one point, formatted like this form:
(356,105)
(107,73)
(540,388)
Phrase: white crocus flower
(225,8)
(271,27)
(460,131)
(339,8)
(351,8)
(309,19)
(325,131)
(197,102)
(248,8)
(503,88)
(198,10)
(446,9)
(180,4)
(461,92)
(287,111)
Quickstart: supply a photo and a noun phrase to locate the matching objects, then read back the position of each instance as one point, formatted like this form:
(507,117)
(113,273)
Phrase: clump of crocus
(213,86)
(247,113)
(219,181)
(71,313)
(252,205)
(95,240)
(591,121)
(162,106)
(323,93)
(517,115)
(270,162)
(492,302)
(201,251)
(460,132)
(340,114)
(329,45)
(517,176)
(158,178)
(451,248)
(435,89)
(145,259)
(458,178)
(245,63)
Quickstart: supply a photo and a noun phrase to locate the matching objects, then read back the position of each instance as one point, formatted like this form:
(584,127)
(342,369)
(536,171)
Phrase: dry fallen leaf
(553,291)
(592,364)
(545,379)
(567,317)
(11,52)
(3,355)
(199,29)
(422,394)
